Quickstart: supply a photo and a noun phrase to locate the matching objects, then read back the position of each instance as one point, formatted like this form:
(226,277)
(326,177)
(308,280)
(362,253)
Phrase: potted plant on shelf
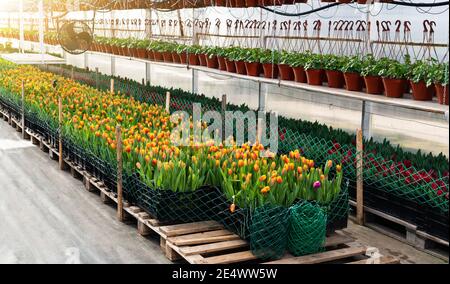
(333,65)
(352,73)
(192,54)
(370,72)
(141,48)
(211,57)
(168,49)
(285,70)
(221,58)
(150,54)
(229,63)
(181,51)
(131,47)
(157,49)
(439,74)
(394,76)
(297,63)
(422,88)
(314,69)
(269,60)
(237,55)
(252,61)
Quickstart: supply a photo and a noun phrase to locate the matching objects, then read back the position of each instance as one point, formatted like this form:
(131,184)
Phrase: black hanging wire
(399,3)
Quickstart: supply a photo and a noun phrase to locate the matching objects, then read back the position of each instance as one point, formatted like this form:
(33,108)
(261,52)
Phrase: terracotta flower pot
(335,79)
(202,59)
(374,85)
(253,68)
(421,92)
(231,67)
(109,49)
(240,67)
(299,74)
(345,1)
(142,53)
(115,50)
(236,3)
(158,56)
(207,3)
(394,88)
(167,56)
(193,59)
(270,70)
(183,57)
(270,2)
(353,81)
(251,3)
(222,64)
(288,2)
(286,72)
(442,93)
(212,62)
(362,2)
(314,76)
(150,55)
(176,58)
(221,3)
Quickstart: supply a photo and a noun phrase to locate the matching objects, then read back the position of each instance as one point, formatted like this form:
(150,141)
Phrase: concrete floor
(46,216)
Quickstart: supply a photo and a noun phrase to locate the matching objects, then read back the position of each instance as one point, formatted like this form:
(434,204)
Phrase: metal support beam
(86,60)
(194,81)
(366,119)
(148,73)
(113,65)
(262,97)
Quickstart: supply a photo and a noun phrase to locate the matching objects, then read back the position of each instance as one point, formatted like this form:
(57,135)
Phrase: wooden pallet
(405,232)
(345,255)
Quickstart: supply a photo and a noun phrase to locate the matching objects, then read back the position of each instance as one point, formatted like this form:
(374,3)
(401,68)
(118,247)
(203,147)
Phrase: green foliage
(333,62)
(393,69)
(371,66)
(313,61)
(352,64)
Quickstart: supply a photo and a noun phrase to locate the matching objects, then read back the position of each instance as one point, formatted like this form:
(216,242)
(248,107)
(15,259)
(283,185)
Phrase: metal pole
(41,29)
(21,27)
(224,110)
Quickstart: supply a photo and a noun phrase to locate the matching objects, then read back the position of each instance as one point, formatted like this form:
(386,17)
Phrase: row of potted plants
(426,78)
(391,77)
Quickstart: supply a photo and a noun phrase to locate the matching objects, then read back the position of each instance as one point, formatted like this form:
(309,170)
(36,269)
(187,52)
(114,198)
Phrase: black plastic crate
(170,206)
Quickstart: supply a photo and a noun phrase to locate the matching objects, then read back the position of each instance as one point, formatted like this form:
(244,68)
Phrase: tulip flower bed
(233,185)
(410,186)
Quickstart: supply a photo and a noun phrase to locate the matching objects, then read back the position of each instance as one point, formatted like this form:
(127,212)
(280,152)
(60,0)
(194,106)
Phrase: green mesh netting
(338,210)
(268,231)
(307,229)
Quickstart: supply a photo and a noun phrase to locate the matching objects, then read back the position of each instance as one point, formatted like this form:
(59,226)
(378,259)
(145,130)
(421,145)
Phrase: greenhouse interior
(222,132)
